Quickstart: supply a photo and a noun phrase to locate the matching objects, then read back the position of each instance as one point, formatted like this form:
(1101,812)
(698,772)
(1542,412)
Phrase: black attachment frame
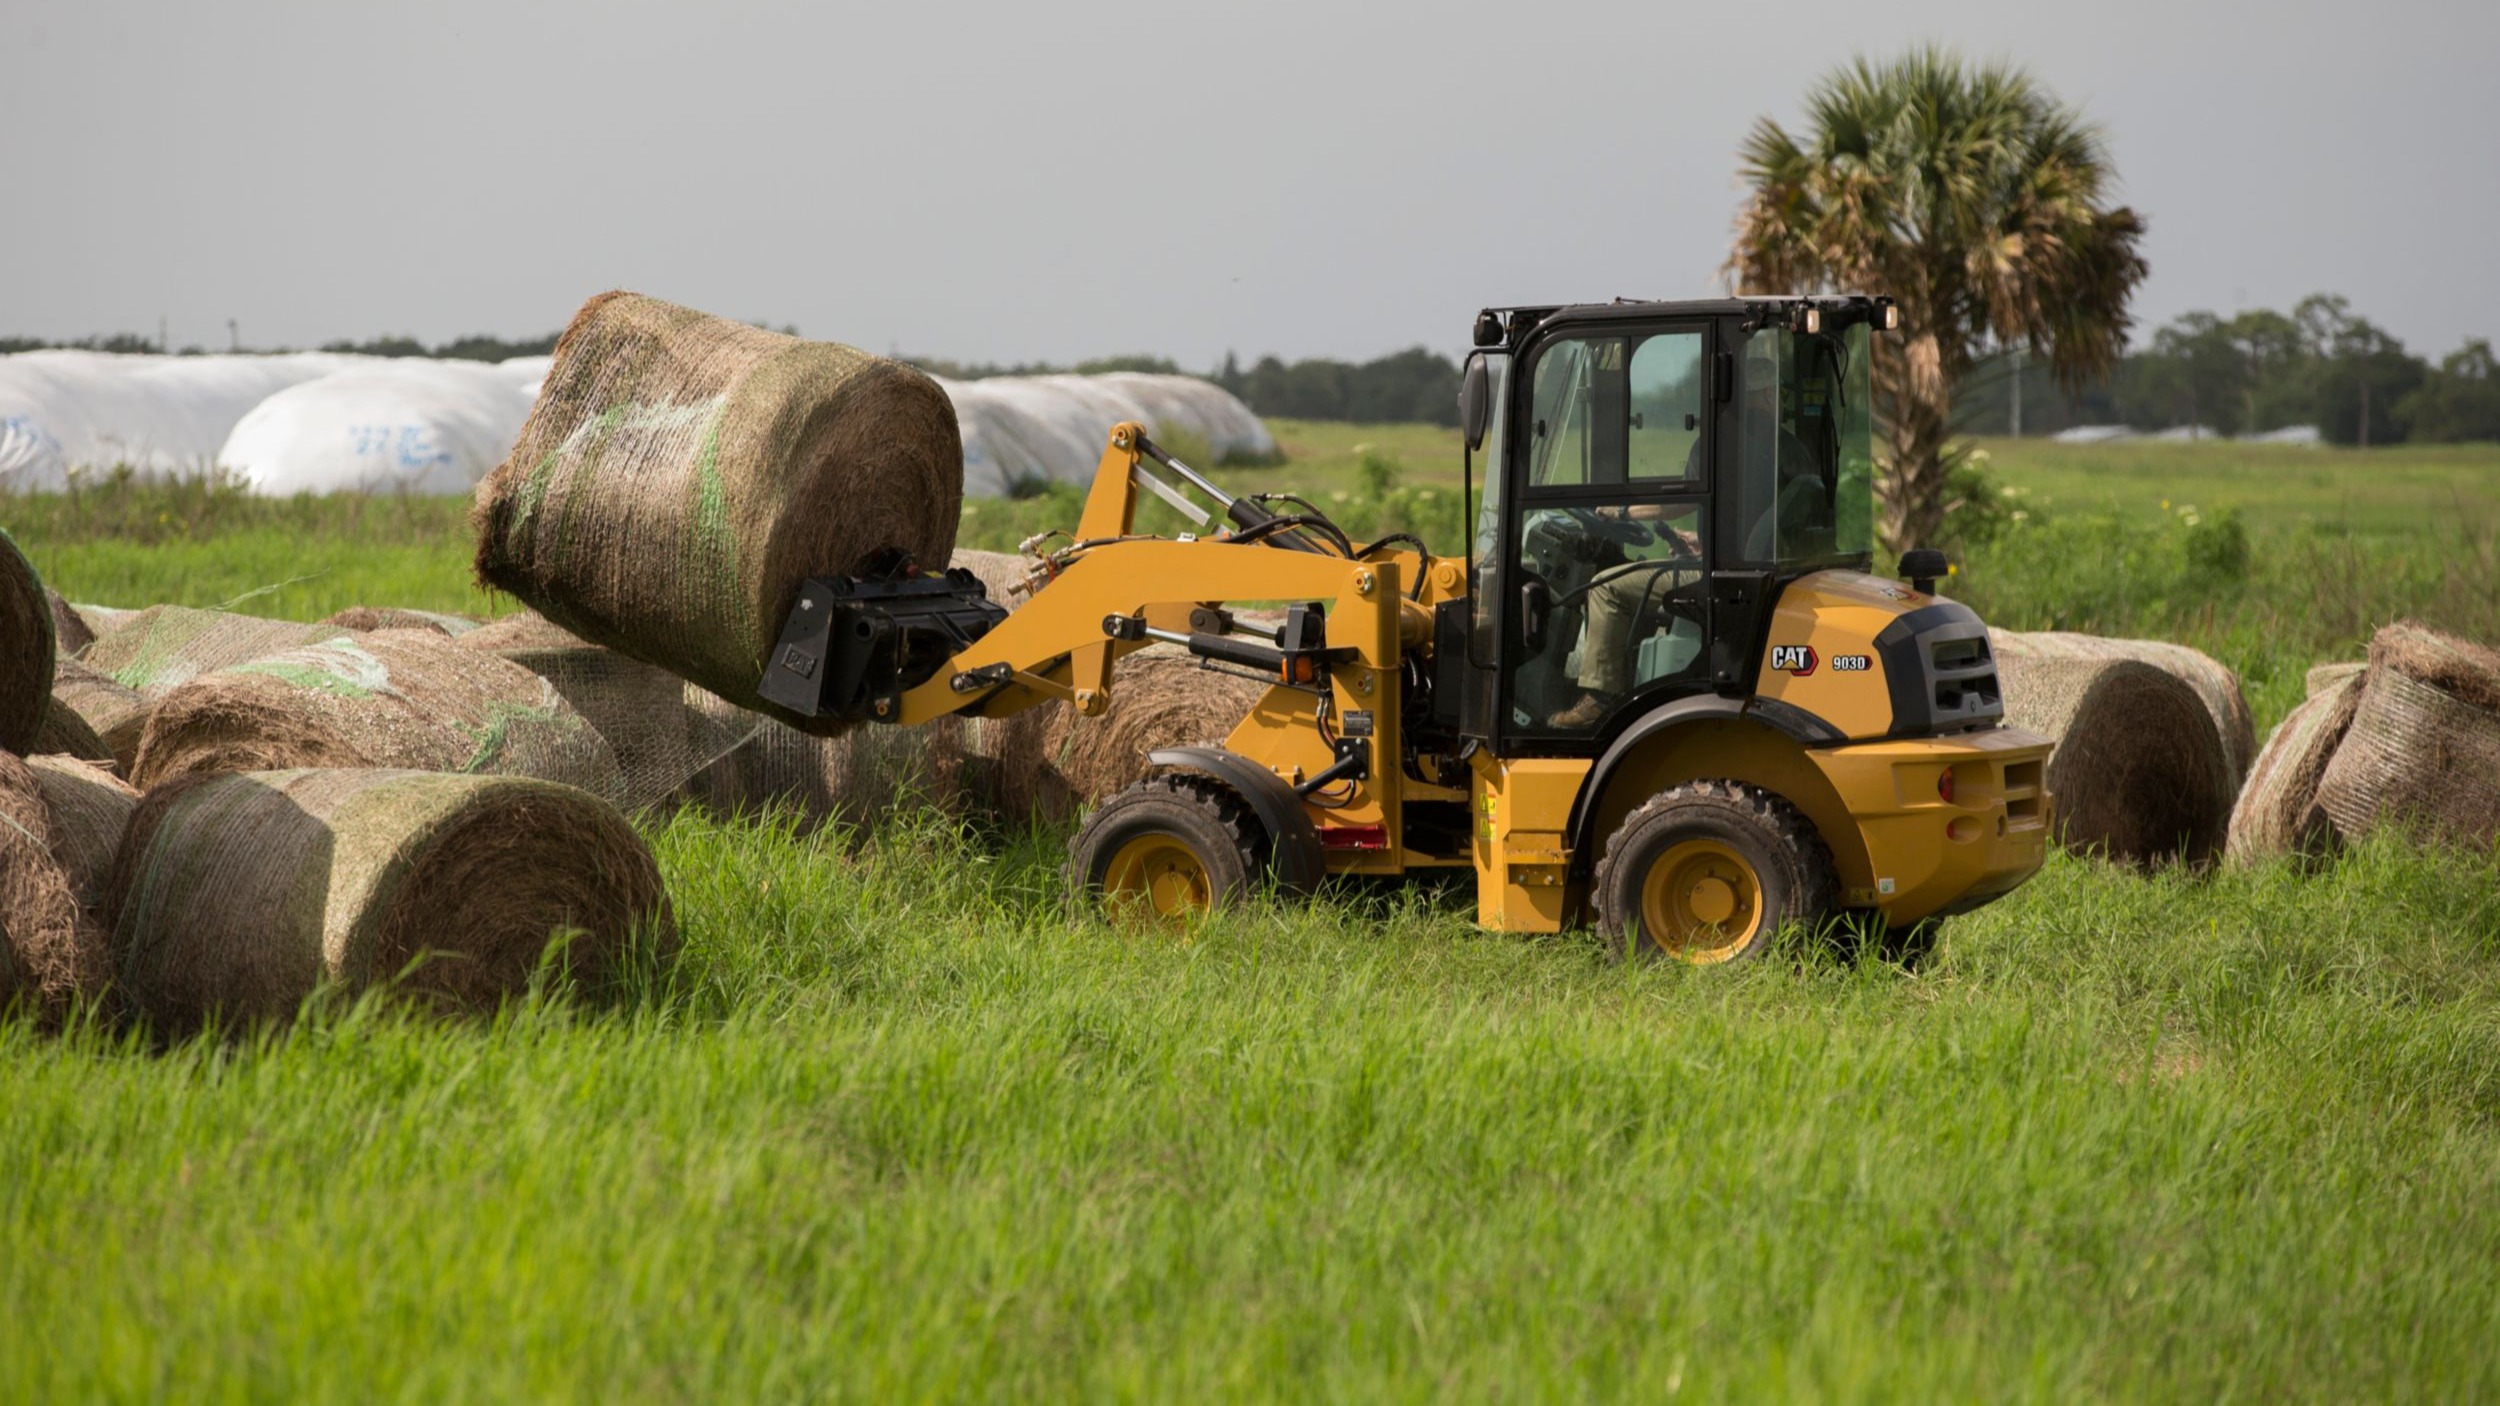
(853,645)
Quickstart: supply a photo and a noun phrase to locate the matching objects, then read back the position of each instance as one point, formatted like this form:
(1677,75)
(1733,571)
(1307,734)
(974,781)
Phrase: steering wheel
(1611,528)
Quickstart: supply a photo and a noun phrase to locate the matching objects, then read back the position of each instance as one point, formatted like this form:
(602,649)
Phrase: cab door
(1607,541)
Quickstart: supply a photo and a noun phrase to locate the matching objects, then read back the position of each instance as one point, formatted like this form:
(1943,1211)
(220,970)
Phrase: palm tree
(1974,198)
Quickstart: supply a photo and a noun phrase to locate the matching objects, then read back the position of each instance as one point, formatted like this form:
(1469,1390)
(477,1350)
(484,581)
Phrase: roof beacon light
(1892,317)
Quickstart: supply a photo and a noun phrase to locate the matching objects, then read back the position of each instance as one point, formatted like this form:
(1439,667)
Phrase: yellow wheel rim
(1158,877)
(1701,902)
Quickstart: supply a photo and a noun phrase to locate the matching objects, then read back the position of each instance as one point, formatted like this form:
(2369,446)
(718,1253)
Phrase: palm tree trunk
(1917,405)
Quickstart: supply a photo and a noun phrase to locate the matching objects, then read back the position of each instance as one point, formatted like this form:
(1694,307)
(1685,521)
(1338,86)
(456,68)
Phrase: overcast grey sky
(1023,181)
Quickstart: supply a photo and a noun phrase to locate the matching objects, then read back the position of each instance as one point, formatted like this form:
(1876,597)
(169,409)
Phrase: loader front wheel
(1168,850)
(1709,872)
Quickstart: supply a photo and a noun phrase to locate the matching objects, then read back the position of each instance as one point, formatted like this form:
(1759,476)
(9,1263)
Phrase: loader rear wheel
(1709,872)
(1168,849)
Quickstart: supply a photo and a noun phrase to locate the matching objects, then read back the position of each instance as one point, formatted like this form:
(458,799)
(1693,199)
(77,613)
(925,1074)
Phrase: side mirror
(1475,403)
(1923,565)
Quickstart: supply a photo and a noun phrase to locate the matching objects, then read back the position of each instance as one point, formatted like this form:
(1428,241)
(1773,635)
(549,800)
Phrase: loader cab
(1652,475)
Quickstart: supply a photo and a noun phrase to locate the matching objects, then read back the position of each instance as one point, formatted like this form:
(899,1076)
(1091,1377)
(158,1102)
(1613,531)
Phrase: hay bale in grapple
(402,698)
(50,952)
(2216,686)
(90,809)
(238,895)
(70,631)
(114,715)
(2140,773)
(681,474)
(2277,812)
(391,617)
(2326,678)
(26,649)
(2423,752)
(641,710)
(164,647)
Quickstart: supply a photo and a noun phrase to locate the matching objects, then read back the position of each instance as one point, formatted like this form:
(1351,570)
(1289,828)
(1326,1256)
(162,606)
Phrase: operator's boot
(1583,714)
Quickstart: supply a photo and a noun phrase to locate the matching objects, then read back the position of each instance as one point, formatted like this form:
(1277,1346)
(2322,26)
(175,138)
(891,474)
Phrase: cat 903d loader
(1660,691)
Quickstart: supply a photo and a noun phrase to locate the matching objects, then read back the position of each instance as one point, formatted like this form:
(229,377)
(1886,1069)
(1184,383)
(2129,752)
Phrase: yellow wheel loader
(1660,691)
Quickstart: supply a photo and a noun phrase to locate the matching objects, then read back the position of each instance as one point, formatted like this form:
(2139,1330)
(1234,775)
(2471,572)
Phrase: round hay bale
(1161,696)
(639,709)
(1005,574)
(407,699)
(2460,668)
(2326,678)
(90,809)
(2417,757)
(2216,686)
(115,715)
(391,617)
(2140,773)
(2277,812)
(163,647)
(681,474)
(756,763)
(65,733)
(51,954)
(239,895)
(70,631)
(26,649)
(100,620)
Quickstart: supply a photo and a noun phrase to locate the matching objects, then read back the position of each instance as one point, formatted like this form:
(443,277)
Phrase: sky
(1016,182)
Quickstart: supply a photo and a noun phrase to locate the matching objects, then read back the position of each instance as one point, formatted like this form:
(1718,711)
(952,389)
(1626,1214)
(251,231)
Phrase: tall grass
(902,1125)
(902,1128)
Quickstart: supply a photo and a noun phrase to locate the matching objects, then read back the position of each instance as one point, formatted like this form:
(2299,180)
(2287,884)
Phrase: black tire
(1137,850)
(1740,864)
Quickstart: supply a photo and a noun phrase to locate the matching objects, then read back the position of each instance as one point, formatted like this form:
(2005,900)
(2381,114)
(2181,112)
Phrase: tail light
(1944,785)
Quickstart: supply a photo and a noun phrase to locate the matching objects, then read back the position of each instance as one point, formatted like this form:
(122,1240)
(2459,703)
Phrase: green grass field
(902,1126)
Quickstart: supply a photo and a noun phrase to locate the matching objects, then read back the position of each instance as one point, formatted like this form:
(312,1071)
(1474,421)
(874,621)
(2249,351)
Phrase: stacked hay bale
(2423,750)
(87,704)
(2214,683)
(681,474)
(2411,739)
(70,631)
(51,950)
(2326,678)
(27,649)
(408,699)
(2141,772)
(237,896)
(641,710)
(2277,812)
(89,808)
(390,617)
(164,647)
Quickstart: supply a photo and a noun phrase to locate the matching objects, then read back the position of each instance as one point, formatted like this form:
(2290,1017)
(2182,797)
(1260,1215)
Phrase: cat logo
(1797,659)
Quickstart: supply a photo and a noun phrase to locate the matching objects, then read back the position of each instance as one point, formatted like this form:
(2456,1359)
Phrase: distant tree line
(2320,364)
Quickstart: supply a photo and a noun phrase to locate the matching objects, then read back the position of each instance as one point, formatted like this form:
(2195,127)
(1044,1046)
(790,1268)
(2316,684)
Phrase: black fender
(1799,726)
(1297,861)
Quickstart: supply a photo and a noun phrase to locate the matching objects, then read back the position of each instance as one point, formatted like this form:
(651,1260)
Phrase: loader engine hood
(1867,658)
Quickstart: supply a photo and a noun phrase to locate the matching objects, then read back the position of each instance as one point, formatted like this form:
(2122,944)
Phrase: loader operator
(1776,409)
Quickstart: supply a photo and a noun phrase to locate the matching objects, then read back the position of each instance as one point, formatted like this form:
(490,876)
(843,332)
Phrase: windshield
(1807,475)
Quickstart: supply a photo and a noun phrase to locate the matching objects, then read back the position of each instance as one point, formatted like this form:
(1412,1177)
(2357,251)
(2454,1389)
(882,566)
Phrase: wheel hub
(1701,901)
(1159,877)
